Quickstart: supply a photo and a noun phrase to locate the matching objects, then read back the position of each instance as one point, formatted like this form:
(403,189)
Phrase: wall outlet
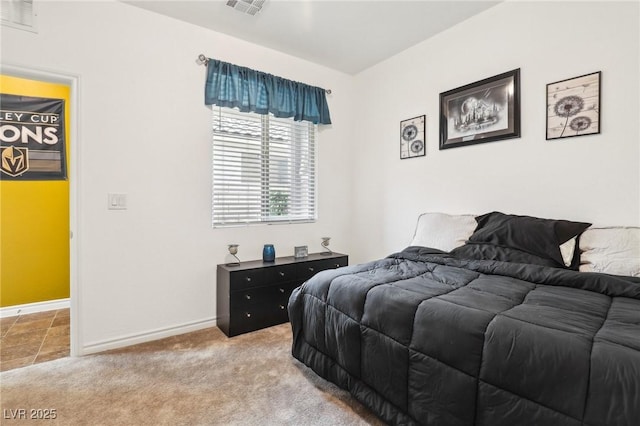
(117,201)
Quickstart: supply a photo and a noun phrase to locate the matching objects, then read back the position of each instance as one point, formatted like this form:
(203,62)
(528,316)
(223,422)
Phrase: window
(263,169)
(18,14)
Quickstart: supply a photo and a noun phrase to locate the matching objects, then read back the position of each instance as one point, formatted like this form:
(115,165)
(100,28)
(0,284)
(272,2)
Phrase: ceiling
(347,35)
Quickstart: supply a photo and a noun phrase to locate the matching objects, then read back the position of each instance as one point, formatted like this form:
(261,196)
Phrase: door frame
(73,81)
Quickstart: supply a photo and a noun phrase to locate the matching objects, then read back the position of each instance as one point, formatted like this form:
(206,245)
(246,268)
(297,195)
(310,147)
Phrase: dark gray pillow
(481,251)
(537,236)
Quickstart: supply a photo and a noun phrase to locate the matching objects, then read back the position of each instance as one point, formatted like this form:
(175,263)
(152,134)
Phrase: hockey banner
(32,138)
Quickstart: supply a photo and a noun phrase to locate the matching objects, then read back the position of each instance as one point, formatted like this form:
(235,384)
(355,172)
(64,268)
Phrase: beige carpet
(200,378)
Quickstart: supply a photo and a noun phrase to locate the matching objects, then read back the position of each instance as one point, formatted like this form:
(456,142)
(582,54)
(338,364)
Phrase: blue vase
(268,253)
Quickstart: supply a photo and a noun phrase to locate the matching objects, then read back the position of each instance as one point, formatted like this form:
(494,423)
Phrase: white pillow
(614,250)
(567,249)
(443,231)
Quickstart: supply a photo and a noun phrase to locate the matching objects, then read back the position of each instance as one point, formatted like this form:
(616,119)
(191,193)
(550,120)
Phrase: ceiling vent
(250,7)
(18,14)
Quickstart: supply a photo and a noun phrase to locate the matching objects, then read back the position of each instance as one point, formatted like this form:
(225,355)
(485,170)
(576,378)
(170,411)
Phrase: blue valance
(249,90)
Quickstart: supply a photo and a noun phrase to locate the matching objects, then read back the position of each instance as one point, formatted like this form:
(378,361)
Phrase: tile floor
(33,338)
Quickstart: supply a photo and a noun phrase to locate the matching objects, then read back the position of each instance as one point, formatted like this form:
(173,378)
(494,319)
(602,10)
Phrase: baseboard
(149,336)
(31,308)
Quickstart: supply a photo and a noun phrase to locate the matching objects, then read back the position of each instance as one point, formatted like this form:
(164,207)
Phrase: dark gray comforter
(423,338)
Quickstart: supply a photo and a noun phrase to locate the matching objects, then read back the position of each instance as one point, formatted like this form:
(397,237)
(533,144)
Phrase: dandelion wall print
(412,137)
(573,107)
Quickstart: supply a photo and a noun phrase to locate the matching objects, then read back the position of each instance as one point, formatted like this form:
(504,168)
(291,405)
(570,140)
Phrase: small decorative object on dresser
(325,245)
(268,253)
(233,250)
(300,252)
(255,294)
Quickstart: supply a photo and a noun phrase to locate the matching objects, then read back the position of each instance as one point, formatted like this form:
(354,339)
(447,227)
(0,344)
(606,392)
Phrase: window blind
(18,14)
(264,169)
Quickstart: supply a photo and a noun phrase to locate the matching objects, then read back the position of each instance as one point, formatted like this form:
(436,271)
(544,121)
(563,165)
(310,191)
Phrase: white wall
(145,131)
(590,178)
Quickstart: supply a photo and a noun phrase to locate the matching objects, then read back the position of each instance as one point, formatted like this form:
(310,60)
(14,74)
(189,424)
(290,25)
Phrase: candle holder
(325,245)
(233,250)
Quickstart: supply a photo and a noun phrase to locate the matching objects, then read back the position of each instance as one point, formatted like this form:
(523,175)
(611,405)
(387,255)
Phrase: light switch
(117,201)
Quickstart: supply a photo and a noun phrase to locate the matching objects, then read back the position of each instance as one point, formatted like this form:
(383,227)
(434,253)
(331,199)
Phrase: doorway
(37,252)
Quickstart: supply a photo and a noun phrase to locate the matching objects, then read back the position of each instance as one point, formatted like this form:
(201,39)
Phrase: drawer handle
(282,307)
(311,269)
(248,314)
(282,274)
(248,296)
(281,290)
(248,279)
(337,265)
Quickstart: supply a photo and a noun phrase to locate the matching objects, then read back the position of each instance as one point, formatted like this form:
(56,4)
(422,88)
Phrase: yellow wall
(34,221)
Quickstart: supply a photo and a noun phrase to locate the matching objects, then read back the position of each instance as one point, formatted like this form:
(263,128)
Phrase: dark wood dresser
(255,294)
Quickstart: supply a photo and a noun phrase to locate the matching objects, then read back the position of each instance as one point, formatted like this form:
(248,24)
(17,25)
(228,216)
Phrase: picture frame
(573,106)
(300,252)
(412,137)
(484,111)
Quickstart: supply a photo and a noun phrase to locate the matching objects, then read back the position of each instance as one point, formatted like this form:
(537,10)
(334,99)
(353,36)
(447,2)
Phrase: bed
(500,322)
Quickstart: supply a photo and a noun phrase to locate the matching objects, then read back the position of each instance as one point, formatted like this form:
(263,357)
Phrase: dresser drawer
(311,268)
(273,295)
(282,273)
(246,279)
(269,311)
